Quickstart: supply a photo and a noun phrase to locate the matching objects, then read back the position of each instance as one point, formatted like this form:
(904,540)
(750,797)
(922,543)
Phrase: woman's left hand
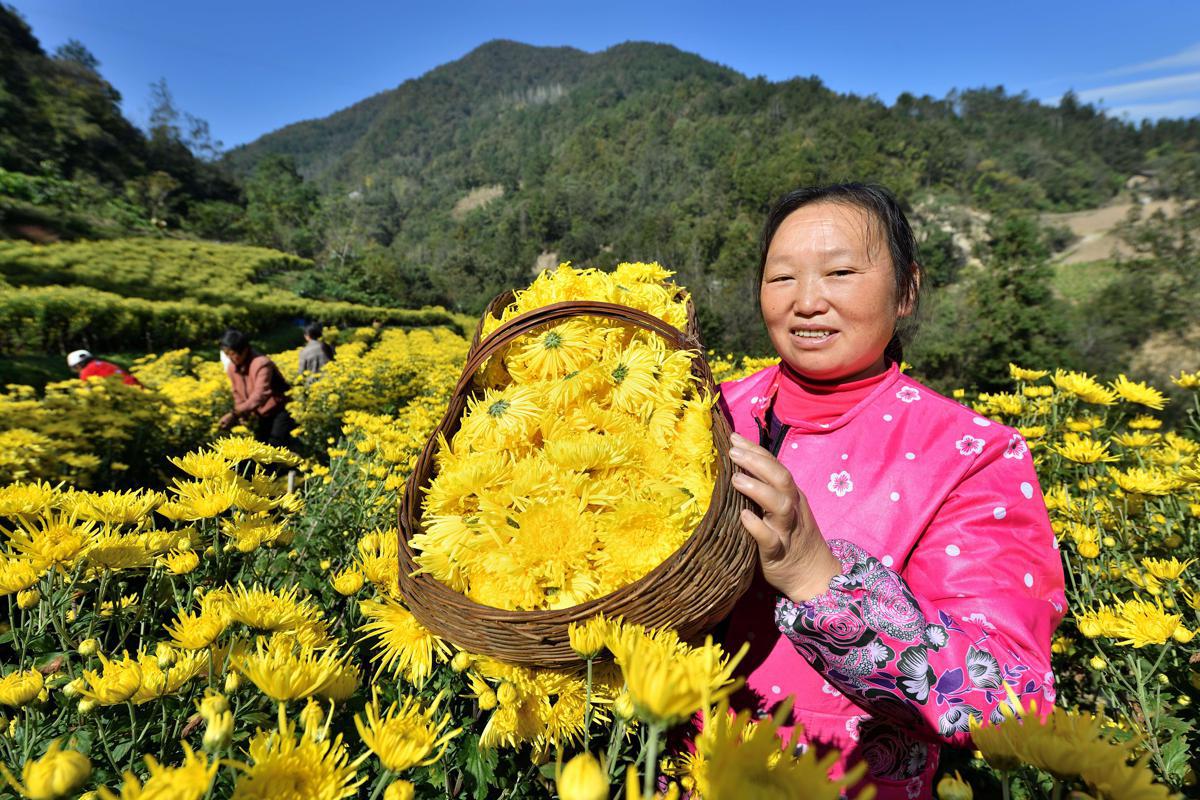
(795,558)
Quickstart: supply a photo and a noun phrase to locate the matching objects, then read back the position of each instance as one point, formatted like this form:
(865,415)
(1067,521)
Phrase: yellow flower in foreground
(733,753)
(17,575)
(283,670)
(59,773)
(27,499)
(1139,480)
(196,631)
(1140,393)
(180,563)
(283,766)
(21,687)
(1187,380)
(115,683)
(407,735)
(405,646)
(347,582)
(1065,744)
(1146,623)
(669,683)
(1027,375)
(1166,569)
(189,781)
(953,787)
(399,789)
(1085,387)
(582,778)
(1083,449)
(587,638)
(56,540)
(265,610)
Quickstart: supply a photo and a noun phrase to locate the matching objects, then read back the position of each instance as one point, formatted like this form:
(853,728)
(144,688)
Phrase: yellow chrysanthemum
(1083,449)
(18,574)
(1145,422)
(1187,380)
(1027,375)
(196,631)
(20,687)
(52,540)
(189,781)
(284,671)
(114,508)
(582,778)
(405,646)
(204,464)
(1085,387)
(27,499)
(1139,480)
(57,774)
(668,684)
(284,765)
(407,735)
(265,610)
(1140,393)
(1166,569)
(116,682)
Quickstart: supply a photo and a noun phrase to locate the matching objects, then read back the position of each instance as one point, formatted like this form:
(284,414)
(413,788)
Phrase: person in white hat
(87,366)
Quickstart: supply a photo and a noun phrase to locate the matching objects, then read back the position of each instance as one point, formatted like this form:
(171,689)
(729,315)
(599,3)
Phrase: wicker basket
(693,590)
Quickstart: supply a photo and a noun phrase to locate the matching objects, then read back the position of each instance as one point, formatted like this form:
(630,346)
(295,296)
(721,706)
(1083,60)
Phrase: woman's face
(829,293)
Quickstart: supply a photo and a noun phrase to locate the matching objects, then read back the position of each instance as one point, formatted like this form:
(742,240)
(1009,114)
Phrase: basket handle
(524,323)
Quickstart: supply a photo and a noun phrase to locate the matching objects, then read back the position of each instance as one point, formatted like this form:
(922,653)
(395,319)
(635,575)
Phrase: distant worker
(87,366)
(259,392)
(315,354)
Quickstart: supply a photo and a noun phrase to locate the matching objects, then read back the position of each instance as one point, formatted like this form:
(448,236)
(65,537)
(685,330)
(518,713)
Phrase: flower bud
(399,789)
(507,694)
(212,705)
(582,778)
(165,655)
(28,598)
(487,700)
(72,688)
(954,788)
(461,662)
(219,732)
(88,647)
(87,705)
(1098,663)
(232,682)
(59,773)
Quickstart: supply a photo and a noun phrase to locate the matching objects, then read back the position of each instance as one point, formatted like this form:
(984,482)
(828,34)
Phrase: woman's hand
(226,422)
(795,558)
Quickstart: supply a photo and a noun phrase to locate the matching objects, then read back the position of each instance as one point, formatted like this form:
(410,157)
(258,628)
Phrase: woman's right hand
(794,555)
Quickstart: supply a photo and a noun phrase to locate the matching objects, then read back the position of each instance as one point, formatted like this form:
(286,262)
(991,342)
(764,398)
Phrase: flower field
(201,631)
(157,293)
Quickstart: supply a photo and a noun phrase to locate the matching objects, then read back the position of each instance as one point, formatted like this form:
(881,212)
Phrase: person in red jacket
(86,366)
(259,392)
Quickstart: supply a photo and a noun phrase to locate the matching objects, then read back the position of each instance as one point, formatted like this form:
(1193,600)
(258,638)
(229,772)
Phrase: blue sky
(253,66)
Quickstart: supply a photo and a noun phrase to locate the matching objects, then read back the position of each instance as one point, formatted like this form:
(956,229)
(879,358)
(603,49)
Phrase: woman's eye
(842,272)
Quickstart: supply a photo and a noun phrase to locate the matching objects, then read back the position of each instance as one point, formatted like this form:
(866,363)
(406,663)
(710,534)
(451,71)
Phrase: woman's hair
(881,206)
(235,340)
(313,330)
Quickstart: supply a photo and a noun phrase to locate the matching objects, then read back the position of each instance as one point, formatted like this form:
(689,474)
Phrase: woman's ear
(908,303)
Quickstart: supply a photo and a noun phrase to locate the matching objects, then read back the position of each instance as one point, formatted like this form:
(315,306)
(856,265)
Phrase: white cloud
(1187,107)
(1143,90)
(1188,57)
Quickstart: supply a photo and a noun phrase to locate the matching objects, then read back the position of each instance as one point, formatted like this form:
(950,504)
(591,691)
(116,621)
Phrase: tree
(74,51)
(280,207)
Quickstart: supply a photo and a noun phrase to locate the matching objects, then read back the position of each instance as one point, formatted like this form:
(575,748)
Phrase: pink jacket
(951,581)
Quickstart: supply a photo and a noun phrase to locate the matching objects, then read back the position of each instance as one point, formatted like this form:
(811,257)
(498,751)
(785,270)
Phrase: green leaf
(480,764)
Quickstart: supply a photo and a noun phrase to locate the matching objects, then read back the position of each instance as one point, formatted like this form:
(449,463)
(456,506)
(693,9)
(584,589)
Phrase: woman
(908,570)
(259,392)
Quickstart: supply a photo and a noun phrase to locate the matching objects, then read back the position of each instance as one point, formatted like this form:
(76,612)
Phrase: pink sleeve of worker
(258,380)
(971,612)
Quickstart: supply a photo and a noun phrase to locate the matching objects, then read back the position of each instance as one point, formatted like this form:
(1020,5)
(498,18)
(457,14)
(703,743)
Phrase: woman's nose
(809,298)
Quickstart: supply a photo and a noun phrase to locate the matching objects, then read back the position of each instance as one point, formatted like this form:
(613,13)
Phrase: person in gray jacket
(315,353)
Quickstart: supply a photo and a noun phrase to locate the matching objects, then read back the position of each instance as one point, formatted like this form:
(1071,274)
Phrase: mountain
(457,184)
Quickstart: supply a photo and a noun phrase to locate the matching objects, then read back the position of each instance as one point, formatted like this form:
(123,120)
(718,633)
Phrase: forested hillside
(456,184)
(467,180)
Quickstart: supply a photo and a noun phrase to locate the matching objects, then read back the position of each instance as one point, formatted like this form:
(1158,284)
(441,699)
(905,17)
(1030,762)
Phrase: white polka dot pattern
(952,550)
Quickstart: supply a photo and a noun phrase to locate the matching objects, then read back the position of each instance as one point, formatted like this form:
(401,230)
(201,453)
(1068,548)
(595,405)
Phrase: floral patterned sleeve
(974,608)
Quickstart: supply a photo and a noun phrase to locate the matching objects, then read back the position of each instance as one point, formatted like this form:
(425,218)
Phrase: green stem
(651,768)
(385,777)
(587,711)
